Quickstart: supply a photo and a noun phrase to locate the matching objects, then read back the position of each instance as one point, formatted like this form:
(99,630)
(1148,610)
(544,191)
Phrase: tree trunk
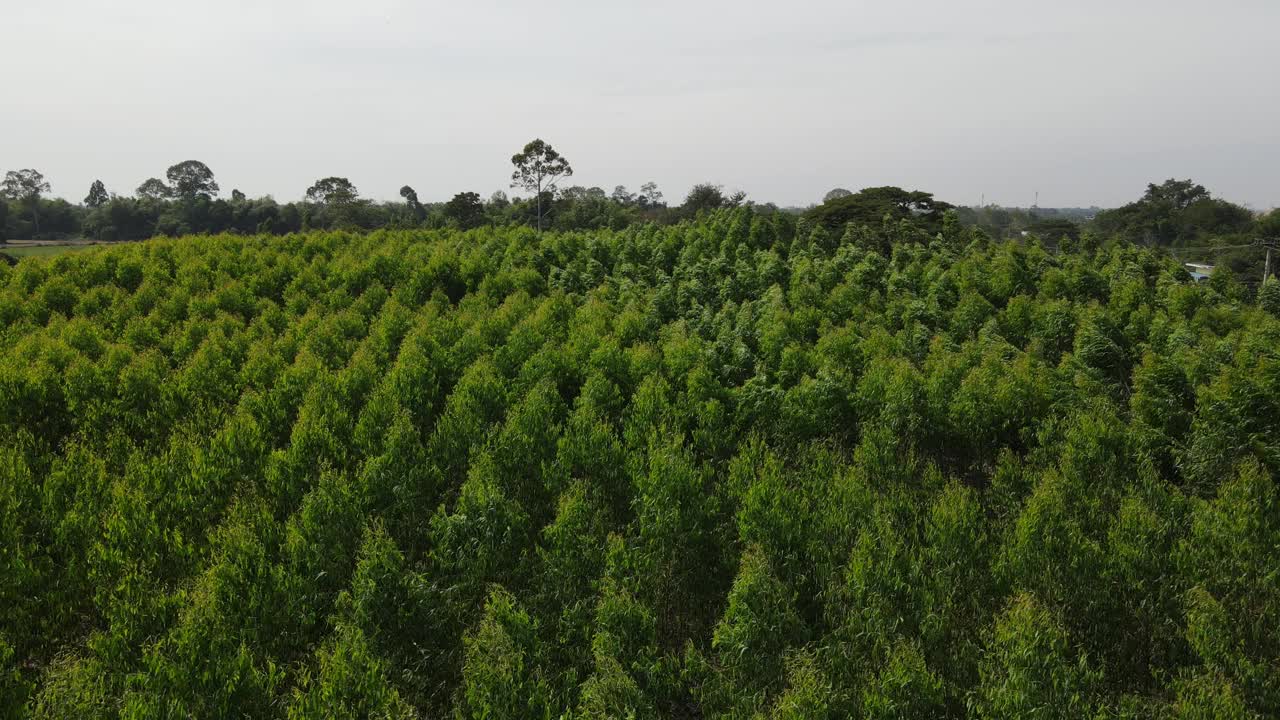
(35,215)
(539,209)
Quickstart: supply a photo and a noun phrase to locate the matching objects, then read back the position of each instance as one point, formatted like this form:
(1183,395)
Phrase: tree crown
(538,167)
(332,190)
(97,195)
(26,184)
(190,179)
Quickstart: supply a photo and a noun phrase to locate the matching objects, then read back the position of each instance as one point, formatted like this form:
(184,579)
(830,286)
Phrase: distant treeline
(1176,214)
(147,213)
(187,202)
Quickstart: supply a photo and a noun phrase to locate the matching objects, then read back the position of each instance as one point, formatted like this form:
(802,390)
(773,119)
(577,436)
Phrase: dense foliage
(730,468)
(1176,214)
(332,203)
(187,202)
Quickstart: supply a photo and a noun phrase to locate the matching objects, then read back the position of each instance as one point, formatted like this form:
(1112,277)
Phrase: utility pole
(1269,244)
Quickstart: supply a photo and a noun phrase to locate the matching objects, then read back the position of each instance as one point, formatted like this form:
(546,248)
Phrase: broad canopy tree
(191,179)
(153,189)
(709,196)
(836,194)
(650,196)
(871,205)
(26,186)
(339,199)
(1175,212)
(332,191)
(465,210)
(538,168)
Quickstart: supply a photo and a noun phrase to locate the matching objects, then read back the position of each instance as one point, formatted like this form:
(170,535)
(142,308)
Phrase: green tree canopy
(465,210)
(332,191)
(191,179)
(872,205)
(538,167)
(154,189)
(97,196)
(26,186)
(1175,212)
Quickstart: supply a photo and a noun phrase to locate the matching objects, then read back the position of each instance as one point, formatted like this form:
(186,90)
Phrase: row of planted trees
(730,468)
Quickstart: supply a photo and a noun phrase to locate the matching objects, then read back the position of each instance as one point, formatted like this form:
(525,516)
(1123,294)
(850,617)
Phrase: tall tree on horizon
(332,191)
(26,185)
(411,198)
(538,168)
(191,179)
(97,196)
(836,194)
(465,210)
(153,189)
(650,195)
(709,196)
(339,197)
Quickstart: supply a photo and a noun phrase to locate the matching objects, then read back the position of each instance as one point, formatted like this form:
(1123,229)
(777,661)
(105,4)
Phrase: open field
(45,249)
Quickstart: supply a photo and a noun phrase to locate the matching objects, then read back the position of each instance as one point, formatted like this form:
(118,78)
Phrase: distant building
(1199,271)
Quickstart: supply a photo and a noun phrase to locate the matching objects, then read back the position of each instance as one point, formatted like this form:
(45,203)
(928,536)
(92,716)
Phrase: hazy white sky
(1083,101)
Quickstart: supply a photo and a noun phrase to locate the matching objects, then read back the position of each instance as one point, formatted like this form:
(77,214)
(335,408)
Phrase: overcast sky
(1084,102)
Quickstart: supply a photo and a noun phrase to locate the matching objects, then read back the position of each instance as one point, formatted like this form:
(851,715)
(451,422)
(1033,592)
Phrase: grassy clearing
(43,250)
